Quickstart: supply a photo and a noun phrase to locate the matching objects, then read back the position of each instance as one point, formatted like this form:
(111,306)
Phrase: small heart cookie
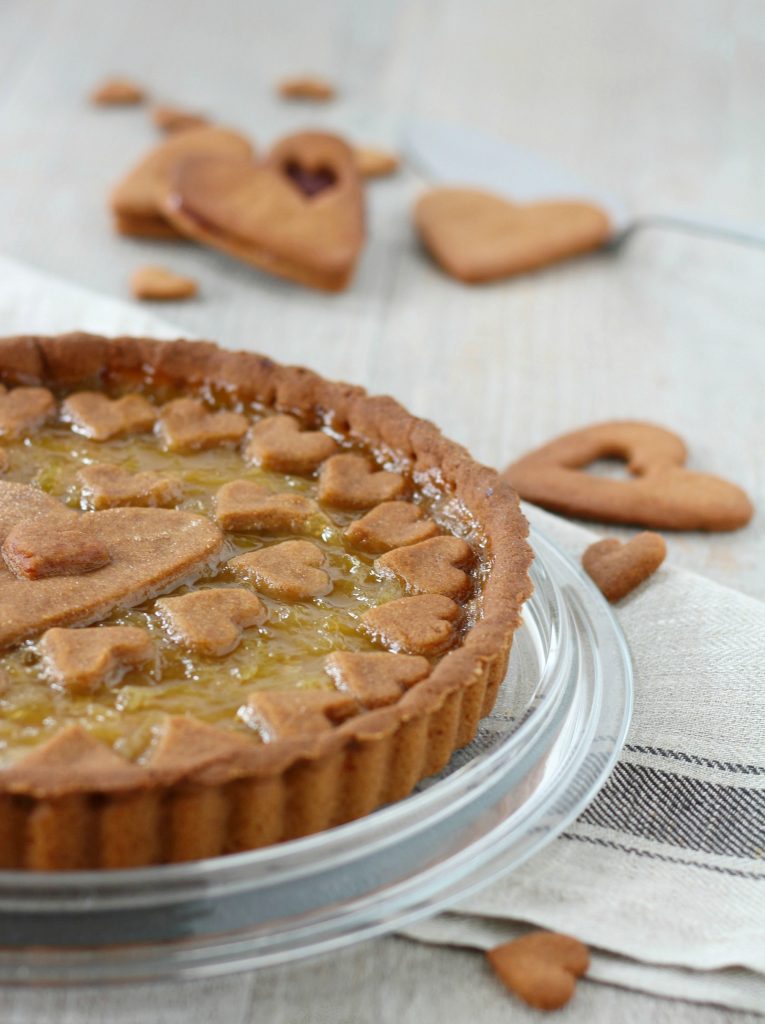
(476,236)
(375,163)
(117,92)
(375,680)
(298,214)
(211,621)
(433,566)
(83,659)
(187,425)
(307,87)
(541,968)
(136,200)
(293,570)
(244,506)
(36,549)
(393,524)
(95,416)
(174,119)
(425,624)
(351,481)
(280,444)
(618,568)
(158,284)
(280,714)
(663,494)
(23,410)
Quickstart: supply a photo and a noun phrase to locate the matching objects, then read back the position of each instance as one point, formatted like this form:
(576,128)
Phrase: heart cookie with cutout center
(618,568)
(298,214)
(476,236)
(150,549)
(662,494)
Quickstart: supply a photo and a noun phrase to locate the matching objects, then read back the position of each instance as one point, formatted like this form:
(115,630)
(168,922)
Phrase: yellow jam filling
(287,651)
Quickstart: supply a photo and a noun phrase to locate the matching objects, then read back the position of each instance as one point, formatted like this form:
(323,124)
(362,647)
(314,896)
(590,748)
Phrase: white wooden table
(662,104)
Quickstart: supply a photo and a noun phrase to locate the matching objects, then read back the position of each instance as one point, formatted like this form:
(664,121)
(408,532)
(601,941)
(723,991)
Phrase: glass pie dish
(538,759)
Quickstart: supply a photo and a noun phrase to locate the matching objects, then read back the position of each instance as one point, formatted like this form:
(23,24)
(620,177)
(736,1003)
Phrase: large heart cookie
(150,550)
(476,236)
(136,200)
(298,214)
(661,494)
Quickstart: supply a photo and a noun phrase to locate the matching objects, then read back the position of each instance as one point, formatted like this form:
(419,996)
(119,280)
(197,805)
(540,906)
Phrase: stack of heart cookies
(297,212)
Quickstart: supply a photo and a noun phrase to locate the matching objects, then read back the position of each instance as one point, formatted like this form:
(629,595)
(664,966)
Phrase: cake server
(450,154)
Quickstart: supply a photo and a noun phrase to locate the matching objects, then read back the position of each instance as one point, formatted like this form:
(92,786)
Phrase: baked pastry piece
(210,638)
(136,201)
(298,214)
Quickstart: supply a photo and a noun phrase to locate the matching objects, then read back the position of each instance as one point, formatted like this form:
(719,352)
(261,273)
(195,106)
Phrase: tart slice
(238,603)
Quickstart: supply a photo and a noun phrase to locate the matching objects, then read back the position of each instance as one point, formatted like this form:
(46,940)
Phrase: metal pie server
(450,154)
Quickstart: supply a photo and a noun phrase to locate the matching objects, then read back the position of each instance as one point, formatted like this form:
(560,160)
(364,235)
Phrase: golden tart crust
(74,803)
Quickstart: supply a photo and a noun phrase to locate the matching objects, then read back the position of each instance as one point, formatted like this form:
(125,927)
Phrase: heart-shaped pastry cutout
(662,495)
(244,506)
(100,418)
(211,621)
(281,714)
(541,968)
(155,283)
(83,659)
(393,524)
(279,443)
(375,680)
(150,549)
(433,566)
(293,570)
(425,624)
(476,236)
(187,425)
(37,549)
(136,201)
(353,482)
(23,410)
(618,568)
(298,214)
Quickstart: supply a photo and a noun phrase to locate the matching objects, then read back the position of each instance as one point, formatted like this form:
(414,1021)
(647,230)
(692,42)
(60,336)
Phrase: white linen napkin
(664,874)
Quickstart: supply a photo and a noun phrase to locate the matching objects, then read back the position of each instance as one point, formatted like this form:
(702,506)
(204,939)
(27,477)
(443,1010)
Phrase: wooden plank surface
(664,106)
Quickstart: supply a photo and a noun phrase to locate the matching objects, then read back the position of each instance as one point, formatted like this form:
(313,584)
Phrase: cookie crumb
(375,163)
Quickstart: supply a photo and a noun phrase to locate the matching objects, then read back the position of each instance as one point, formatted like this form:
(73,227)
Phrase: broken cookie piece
(375,163)
(280,444)
(211,621)
(433,566)
(84,659)
(293,570)
(424,624)
(24,410)
(244,506)
(375,679)
(351,481)
(100,418)
(185,424)
(47,546)
(108,486)
(393,524)
(283,714)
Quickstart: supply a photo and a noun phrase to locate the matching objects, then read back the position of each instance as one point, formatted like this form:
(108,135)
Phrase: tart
(239,603)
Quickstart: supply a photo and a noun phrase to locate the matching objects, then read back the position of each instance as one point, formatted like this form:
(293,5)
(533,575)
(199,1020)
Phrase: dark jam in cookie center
(311,182)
